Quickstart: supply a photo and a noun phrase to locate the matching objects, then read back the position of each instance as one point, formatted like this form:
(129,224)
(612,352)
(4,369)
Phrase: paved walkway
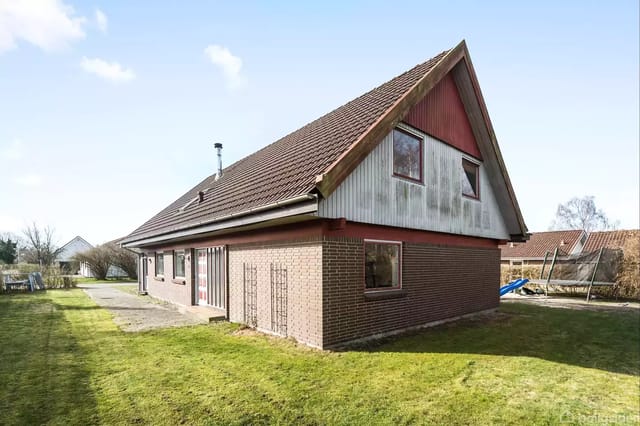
(136,313)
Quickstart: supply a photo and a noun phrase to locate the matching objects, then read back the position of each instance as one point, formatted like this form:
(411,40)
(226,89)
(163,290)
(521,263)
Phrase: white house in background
(65,259)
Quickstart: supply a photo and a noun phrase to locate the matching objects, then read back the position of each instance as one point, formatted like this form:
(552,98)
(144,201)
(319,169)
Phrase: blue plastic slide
(513,285)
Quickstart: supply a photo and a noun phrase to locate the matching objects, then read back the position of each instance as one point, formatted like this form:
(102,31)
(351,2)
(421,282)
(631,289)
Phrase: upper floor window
(470,179)
(159,264)
(178,264)
(382,264)
(407,155)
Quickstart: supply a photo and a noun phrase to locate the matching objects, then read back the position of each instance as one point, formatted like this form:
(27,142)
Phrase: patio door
(211,277)
(202,277)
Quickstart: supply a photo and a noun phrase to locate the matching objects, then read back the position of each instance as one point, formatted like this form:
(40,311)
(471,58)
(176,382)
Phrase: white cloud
(28,180)
(48,24)
(230,65)
(108,70)
(14,151)
(101,20)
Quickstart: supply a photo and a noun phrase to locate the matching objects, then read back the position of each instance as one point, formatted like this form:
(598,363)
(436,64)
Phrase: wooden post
(553,263)
(593,276)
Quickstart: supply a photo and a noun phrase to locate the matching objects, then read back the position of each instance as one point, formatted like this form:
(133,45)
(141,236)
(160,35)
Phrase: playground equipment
(592,269)
(513,285)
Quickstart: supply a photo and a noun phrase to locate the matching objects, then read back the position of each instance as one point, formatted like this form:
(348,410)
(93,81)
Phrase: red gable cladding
(441,114)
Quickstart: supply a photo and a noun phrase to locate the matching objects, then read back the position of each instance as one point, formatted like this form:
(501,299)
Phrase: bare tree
(124,259)
(41,246)
(581,213)
(99,260)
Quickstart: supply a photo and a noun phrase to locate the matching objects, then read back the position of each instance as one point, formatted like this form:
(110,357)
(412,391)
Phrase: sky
(109,110)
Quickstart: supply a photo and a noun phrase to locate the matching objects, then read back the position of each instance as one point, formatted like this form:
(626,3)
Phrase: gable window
(407,155)
(159,264)
(178,264)
(382,264)
(470,179)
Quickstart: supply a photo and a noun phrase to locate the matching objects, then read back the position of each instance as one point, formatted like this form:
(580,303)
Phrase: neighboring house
(65,258)
(569,243)
(66,262)
(540,244)
(383,215)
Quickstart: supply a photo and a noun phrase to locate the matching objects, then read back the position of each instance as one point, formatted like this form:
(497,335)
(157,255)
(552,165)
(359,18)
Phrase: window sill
(180,281)
(409,179)
(395,293)
(158,278)
(469,197)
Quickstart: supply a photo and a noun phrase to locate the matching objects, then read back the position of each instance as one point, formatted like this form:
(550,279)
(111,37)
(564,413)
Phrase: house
(383,215)
(542,244)
(65,258)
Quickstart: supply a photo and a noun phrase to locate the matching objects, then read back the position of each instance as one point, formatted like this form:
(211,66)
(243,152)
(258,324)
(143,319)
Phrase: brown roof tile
(287,167)
(609,239)
(542,242)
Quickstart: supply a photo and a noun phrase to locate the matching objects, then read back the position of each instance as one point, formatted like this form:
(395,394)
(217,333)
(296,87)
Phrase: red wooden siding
(441,114)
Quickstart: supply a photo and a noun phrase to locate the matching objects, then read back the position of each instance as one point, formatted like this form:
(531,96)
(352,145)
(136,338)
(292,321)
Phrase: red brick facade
(323,302)
(438,282)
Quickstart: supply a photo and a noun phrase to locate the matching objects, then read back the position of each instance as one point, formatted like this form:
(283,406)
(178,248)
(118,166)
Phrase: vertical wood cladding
(441,114)
(440,282)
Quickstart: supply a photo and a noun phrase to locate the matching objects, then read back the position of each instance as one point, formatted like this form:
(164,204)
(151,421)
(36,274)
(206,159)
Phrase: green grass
(63,361)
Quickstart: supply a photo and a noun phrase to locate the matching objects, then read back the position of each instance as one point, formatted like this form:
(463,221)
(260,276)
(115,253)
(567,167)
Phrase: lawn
(63,361)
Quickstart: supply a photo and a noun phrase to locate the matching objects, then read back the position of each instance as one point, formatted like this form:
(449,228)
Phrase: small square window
(470,179)
(178,264)
(159,264)
(382,265)
(407,155)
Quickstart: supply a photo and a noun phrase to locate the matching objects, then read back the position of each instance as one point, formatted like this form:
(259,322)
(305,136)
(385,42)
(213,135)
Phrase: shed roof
(316,158)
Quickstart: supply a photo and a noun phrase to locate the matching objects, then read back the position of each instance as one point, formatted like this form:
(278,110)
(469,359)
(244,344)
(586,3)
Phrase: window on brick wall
(407,155)
(159,264)
(382,264)
(178,264)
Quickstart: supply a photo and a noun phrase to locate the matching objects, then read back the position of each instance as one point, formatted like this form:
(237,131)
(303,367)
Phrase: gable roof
(70,249)
(315,159)
(541,242)
(609,239)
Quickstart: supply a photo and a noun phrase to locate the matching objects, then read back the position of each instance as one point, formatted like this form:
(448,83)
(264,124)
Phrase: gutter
(193,229)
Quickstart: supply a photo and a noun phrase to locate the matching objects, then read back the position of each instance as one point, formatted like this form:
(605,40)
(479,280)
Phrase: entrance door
(203,277)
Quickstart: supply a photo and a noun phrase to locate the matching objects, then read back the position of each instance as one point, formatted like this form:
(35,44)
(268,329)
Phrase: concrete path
(136,313)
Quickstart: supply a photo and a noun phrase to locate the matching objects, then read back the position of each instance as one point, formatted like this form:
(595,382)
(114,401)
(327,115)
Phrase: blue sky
(109,111)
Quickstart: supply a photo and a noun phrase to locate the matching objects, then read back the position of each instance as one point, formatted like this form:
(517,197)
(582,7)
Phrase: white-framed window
(407,155)
(159,263)
(470,179)
(178,264)
(382,265)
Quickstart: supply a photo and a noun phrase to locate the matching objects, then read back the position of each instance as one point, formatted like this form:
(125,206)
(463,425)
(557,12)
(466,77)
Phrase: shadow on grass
(607,340)
(43,378)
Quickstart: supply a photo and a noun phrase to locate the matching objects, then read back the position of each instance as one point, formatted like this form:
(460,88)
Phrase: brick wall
(167,289)
(438,282)
(302,261)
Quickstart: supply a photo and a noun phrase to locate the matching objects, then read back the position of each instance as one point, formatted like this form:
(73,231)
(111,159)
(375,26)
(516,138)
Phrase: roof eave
(302,204)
